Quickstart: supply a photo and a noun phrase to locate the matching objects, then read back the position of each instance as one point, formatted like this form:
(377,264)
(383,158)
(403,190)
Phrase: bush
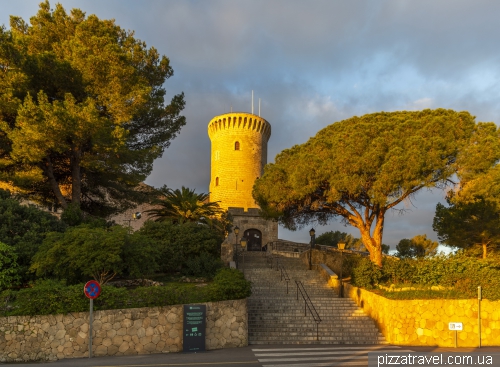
(204,265)
(366,274)
(230,284)
(177,243)
(9,269)
(54,297)
(459,273)
(24,228)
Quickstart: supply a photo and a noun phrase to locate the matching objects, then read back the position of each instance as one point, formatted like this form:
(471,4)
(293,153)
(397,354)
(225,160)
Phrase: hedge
(52,297)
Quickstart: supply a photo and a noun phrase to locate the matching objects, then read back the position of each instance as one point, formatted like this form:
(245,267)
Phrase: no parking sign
(92,290)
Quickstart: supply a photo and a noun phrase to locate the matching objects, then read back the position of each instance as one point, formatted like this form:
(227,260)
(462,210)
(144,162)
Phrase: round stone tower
(239,154)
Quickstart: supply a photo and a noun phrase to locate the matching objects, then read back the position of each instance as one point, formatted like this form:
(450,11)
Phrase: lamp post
(341,247)
(311,233)
(243,243)
(236,231)
(135,216)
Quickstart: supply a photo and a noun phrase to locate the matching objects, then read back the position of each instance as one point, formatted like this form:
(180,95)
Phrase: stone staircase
(277,317)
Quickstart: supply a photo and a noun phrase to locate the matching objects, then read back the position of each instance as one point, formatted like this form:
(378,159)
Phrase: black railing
(308,305)
(284,274)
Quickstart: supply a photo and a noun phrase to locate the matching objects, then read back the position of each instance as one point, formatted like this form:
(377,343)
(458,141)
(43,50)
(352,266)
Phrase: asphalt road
(262,356)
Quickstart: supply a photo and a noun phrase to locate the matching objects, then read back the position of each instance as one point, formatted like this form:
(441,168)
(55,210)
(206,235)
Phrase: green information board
(194,328)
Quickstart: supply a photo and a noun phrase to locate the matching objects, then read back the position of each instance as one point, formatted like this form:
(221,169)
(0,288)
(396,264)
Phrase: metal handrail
(308,305)
(284,274)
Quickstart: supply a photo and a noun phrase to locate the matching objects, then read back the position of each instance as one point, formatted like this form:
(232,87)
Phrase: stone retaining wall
(117,332)
(425,322)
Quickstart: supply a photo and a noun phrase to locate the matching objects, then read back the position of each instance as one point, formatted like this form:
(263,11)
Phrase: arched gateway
(254,239)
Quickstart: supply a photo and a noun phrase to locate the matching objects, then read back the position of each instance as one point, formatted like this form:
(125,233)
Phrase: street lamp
(236,231)
(243,243)
(341,247)
(311,233)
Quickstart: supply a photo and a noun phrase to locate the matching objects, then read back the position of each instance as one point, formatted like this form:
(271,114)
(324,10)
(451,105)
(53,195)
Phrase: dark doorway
(254,238)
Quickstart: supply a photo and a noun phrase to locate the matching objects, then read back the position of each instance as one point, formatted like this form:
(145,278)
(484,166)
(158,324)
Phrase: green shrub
(49,297)
(459,273)
(53,297)
(9,269)
(177,243)
(230,284)
(366,274)
(204,265)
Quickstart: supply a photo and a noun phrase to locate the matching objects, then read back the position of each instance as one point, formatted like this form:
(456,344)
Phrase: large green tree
(418,247)
(82,109)
(360,168)
(468,225)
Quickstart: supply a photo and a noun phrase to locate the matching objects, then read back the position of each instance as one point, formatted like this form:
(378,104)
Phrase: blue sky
(311,63)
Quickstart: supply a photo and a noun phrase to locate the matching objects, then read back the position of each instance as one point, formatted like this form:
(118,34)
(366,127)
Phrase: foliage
(418,246)
(459,274)
(100,253)
(53,297)
(204,265)
(72,215)
(468,224)
(366,274)
(359,168)
(82,110)
(181,206)
(385,248)
(9,269)
(332,238)
(176,243)
(24,227)
(230,284)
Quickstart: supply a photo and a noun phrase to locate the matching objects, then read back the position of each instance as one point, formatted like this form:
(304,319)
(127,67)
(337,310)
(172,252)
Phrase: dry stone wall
(425,322)
(117,332)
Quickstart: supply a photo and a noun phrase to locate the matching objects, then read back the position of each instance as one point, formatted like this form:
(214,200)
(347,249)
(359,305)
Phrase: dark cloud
(311,63)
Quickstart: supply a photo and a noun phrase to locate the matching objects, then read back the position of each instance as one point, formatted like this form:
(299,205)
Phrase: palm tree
(180,206)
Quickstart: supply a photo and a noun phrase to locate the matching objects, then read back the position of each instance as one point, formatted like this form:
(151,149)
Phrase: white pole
(91,320)
(252,102)
(479,297)
(259,107)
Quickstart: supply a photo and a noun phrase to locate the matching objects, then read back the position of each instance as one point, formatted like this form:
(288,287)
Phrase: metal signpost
(479,297)
(92,290)
(457,326)
(194,328)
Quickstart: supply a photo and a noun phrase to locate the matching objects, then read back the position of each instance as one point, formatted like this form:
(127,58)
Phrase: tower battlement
(240,121)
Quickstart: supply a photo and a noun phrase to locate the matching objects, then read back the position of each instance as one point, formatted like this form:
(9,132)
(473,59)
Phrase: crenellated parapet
(239,120)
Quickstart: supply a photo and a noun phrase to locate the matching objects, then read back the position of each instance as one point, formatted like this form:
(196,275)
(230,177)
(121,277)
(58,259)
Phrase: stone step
(277,317)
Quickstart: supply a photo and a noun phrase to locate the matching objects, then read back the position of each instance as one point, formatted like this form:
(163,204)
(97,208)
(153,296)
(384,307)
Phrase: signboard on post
(92,290)
(194,328)
(457,326)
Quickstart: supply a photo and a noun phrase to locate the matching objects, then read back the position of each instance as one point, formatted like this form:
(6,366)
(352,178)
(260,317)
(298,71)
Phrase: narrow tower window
(217,181)
(237,145)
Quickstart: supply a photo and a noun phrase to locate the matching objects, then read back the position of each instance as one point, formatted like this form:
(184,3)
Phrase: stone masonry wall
(117,332)
(425,322)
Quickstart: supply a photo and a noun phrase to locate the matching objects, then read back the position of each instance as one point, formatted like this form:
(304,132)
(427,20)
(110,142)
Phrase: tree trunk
(48,170)
(373,243)
(76,179)
(485,248)
(374,248)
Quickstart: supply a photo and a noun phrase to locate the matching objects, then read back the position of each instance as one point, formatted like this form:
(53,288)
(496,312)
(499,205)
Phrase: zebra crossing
(319,356)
